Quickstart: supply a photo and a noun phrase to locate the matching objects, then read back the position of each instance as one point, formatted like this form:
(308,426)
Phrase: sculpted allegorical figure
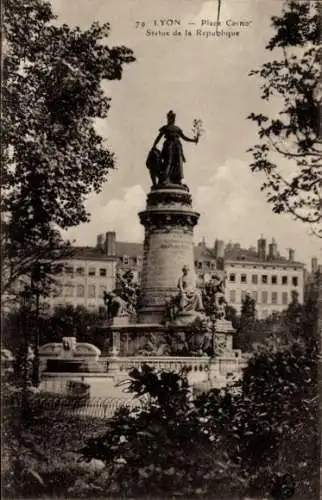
(215,302)
(189,297)
(167,167)
(115,305)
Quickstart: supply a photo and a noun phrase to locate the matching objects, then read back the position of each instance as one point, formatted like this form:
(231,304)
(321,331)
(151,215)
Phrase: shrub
(271,426)
(163,447)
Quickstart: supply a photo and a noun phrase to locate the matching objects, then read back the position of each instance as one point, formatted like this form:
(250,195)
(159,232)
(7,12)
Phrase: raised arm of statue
(188,139)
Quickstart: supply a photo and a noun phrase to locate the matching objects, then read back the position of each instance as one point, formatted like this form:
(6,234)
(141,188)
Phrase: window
(199,265)
(68,290)
(103,271)
(232,296)
(80,291)
(284,280)
(80,271)
(254,279)
(274,280)
(255,295)
(102,289)
(91,291)
(91,271)
(243,278)
(243,295)
(284,298)
(232,277)
(69,270)
(295,281)
(125,260)
(264,297)
(264,278)
(274,297)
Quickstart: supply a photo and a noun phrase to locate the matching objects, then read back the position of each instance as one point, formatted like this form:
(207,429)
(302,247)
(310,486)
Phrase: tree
(270,426)
(52,156)
(294,134)
(246,323)
(163,448)
(65,321)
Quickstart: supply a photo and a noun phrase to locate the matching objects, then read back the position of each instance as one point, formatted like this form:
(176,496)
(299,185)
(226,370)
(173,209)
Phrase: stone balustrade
(198,368)
(167,363)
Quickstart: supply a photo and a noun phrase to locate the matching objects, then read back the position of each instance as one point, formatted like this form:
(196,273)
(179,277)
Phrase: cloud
(233,208)
(118,214)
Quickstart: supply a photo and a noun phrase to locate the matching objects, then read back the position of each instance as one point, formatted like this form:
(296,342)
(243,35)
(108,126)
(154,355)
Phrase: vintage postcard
(161,249)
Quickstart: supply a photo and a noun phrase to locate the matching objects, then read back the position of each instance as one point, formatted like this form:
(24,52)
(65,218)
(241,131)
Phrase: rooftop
(90,253)
(128,248)
(242,254)
(233,253)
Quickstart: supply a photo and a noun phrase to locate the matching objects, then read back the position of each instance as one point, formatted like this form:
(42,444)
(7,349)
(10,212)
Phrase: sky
(197,77)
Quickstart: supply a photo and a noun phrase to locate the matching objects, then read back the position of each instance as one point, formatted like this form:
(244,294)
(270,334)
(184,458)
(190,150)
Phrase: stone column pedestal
(168,246)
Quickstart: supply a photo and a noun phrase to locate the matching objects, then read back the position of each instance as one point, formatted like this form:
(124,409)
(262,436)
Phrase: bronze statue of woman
(172,157)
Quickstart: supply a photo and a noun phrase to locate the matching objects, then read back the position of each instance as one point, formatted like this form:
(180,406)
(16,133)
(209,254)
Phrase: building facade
(260,272)
(266,276)
(86,275)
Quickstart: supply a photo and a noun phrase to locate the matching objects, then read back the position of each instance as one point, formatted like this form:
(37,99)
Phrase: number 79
(140,24)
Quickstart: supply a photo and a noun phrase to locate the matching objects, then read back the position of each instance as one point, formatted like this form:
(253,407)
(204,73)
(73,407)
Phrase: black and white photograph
(161,249)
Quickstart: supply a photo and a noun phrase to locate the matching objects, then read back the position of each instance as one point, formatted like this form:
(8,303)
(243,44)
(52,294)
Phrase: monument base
(178,338)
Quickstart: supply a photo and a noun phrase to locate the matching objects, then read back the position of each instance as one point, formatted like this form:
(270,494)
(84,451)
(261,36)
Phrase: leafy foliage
(52,156)
(297,322)
(294,133)
(262,434)
(271,426)
(162,448)
(65,321)
(38,462)
(259,438)
(246,323)
(20,328)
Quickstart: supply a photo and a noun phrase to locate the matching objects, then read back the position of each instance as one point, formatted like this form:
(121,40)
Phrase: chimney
(314,265)
(219,248)
(272,249)
(291,254)
(261,248)
(110,243)
(100,241)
